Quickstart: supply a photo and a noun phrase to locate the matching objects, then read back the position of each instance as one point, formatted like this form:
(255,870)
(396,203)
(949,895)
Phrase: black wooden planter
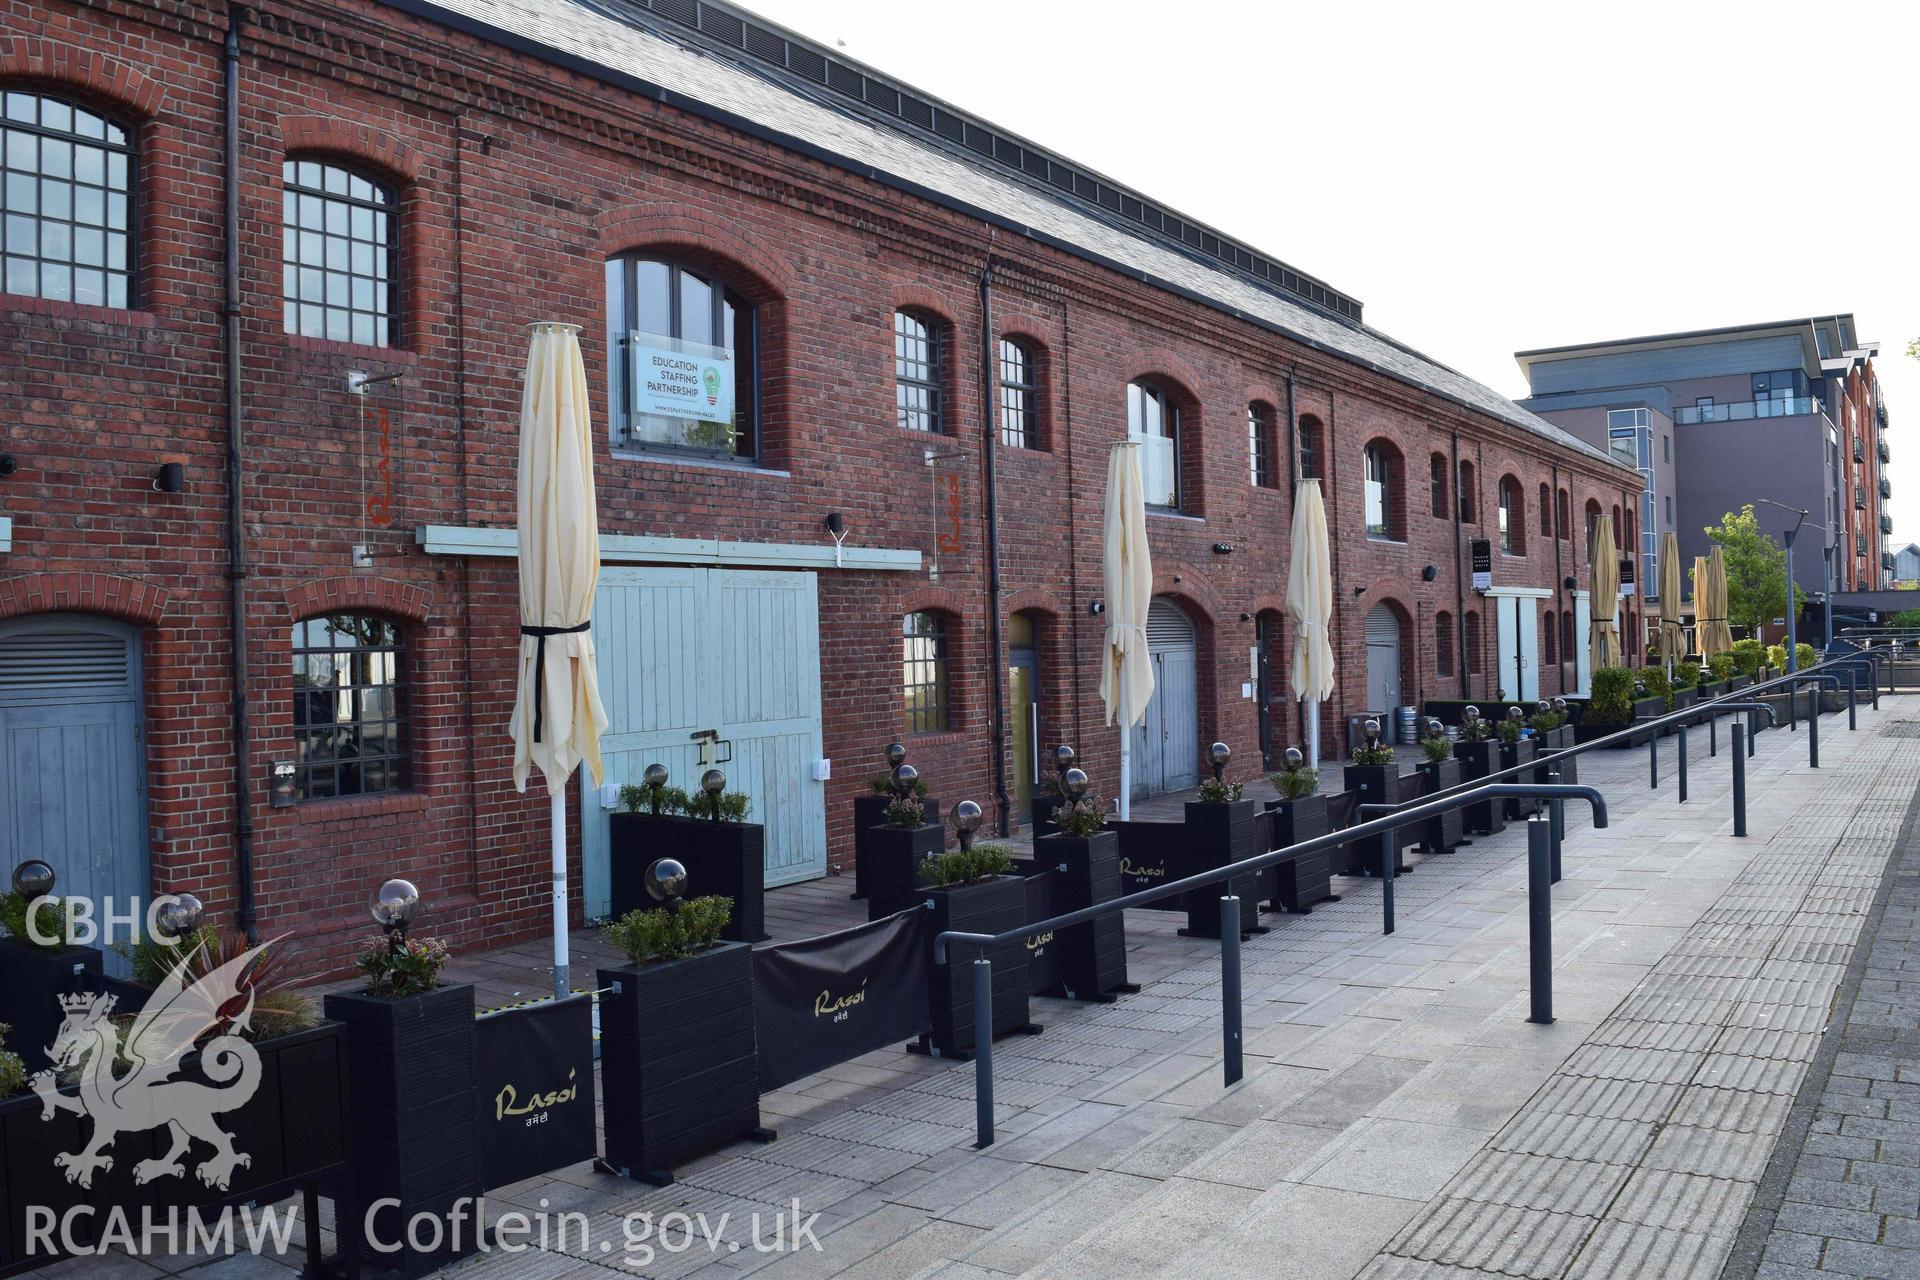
(894,858)
(411,1082)
(725,858)
(1378,784)
(1219,834)
(1446,830)
(991,906)
(32,980)
(292,1130)
(870,811)
(1299,882)
(1152,854)
(1044,803)
(1513,754)
(1093,956)
(679,1063)
(1477,760)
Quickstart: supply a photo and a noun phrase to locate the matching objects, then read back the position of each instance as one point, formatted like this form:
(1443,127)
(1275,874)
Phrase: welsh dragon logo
(143,1094)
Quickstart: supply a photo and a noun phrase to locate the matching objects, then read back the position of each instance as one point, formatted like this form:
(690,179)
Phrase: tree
(1756,570)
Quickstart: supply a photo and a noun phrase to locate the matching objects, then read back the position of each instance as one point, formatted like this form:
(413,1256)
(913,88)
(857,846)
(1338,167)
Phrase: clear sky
(1486,178)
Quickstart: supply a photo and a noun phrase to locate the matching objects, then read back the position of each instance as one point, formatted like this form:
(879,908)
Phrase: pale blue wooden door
(685,651)
(1166,741)
(72,757)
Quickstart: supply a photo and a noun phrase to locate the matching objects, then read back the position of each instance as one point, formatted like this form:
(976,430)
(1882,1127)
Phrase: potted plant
(869,810)
(1374,779)
(37,963)
(897,849)
(973,889)
(1440,771)
(678,1054)
(1555,739)
(1085,857)
(706,832)
(412,1082)
(1221,831)
(1299,814)
(1727,672)
(1479,756)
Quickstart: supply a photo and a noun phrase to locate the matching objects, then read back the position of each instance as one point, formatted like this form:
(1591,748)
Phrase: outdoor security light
(1097,608)
(966,821)
(1218,754)
(171,478)
(180,917)
(33,879)
(1074,783)
(393,908)
(666,881)
(835,524)
(8,464)
(1429,573)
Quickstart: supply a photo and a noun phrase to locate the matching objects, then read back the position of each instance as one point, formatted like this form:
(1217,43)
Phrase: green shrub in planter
(1721,665)
(13,1072)
(1378,754)
(52,917)
(1805,654)
(1437,748)
(1748,656)
(1081,818)
(1686,675)
(1214,791)
(1292,784)
(1655,681)
(400,966)
(666,935)
(905,812)
(968,866)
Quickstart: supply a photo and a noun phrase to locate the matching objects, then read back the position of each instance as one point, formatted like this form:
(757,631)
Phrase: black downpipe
(236,527)
(1459,571)
(1560,580)
(996,672)
(1293,447)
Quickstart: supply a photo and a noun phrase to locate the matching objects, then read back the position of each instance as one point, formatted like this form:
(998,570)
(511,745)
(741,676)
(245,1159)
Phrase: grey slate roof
(588,37)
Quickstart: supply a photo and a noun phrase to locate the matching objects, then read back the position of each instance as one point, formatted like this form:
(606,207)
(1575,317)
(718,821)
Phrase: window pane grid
(1259,448)
(348,719)
(916,371)
(924,672)
(1016,396)
(337,237)
(66,175)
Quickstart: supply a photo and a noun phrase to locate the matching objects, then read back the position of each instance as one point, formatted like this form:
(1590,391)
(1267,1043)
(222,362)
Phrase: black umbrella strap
(540,635)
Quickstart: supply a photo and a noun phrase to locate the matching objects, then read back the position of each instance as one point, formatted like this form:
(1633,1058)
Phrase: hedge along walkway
(1399,1116)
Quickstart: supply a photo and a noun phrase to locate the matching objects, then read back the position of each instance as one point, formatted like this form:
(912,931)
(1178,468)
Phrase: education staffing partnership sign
(673,378)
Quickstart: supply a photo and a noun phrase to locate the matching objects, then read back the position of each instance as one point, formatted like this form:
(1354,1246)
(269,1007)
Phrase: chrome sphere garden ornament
(966,821)
(666,882)
(1074,782)
(903,779)
(179,917)
(1217,755)
(1560,705)
(713,782)
(393,909)
(1434,728)
(1371,732)
(1294,758)
(33,878)
(896,754)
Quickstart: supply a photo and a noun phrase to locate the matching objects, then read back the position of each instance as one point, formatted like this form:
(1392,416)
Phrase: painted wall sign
(1482,552)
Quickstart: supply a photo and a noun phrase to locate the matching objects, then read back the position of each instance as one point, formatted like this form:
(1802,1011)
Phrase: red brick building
(414,184)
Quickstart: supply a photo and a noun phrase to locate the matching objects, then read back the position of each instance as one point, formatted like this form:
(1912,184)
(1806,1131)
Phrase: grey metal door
(1383,660)
(73,757)
(1166,743)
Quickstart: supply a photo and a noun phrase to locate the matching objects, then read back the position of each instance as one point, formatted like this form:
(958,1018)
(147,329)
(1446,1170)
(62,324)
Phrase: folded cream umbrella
(557,715)
(1310,605)
(1126,674)
(1605,640)
(1716,633)
(1673,634)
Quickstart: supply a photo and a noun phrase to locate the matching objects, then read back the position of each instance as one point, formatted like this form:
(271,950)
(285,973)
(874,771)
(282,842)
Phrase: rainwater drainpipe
(996,672)
(1459,574)
(1559,578)
(236,528)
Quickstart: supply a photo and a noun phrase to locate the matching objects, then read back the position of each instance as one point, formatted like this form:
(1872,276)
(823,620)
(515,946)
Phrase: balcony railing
(1880,412)
(1886,487)
(1741,410)
(1886,524)
(1859,500)
(1881,449)
(1859,450)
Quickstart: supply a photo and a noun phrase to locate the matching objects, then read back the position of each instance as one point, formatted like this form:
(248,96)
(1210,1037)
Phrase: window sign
(1626,575)
(1482,550)
(681,392)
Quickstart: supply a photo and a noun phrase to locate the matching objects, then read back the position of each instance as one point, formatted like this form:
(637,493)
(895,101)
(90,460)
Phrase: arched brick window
(1513,517)
(1443,643)
(340,238)
(67,200)
(926,686)
(1546,511)
(1385,491)
(1469,513)
(1550,636)
(1437,472)
(919,368)
(349,706)
(1313,448)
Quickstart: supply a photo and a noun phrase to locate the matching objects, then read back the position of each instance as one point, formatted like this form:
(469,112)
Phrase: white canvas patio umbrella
(1716,635)
(557,716)
(1126,674)
(1605,638)
(1673,634)
(1310,604)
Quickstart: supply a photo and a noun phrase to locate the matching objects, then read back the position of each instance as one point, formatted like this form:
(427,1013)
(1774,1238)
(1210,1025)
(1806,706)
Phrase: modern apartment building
(1788,412)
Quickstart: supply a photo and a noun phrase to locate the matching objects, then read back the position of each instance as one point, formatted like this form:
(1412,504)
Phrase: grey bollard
(983,1052)
(1739,784)
(1540,919)
(1230,986)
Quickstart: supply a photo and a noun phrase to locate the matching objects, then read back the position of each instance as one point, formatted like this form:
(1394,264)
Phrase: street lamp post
(1827,553)
(1793,629)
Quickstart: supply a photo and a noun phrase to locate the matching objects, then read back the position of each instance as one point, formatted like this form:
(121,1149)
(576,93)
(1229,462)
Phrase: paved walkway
(1399,1117)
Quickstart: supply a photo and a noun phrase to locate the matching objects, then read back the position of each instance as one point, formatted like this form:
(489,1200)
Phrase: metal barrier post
(1713,735)
(1753,731)
(1540,919)
(1813,726)
(1653,759)
(1557,818)
(1680,733)
(1386,881)
(983,1051)
(1853,698)
(1739,783)
(1793,707)
(1230,984)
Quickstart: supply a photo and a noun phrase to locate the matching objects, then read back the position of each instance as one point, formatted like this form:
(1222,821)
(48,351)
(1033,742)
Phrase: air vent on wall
(55,660)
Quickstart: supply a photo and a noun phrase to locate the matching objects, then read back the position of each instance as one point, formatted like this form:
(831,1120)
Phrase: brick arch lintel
(1032,600)
(1194,591)
(129,599)
(347,593)
(632,227)
(94,73)
(934,599)
(328,136)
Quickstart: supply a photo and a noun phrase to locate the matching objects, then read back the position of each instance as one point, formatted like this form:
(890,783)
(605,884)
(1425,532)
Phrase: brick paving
(1399,1117)
(1842,1194)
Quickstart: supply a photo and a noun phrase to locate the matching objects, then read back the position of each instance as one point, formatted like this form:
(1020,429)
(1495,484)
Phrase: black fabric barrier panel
(1043,953)
(828,999)
(534,1077)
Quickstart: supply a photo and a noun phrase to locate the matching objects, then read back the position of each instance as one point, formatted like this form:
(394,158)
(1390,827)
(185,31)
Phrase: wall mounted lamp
(170,478)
